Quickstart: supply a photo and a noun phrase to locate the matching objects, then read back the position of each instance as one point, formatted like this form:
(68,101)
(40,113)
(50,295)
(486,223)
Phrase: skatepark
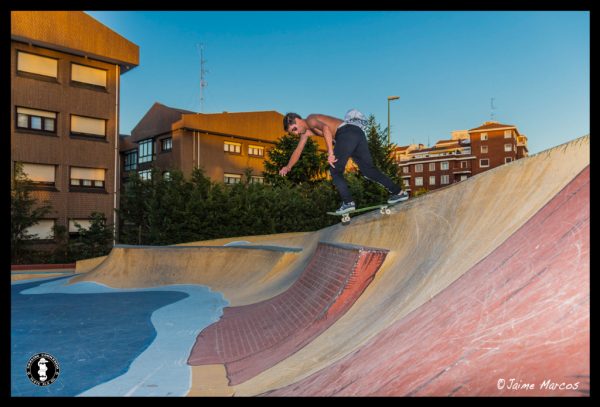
(477,289)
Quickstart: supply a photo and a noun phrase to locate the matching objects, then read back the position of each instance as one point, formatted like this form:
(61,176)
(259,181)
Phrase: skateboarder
(350,141)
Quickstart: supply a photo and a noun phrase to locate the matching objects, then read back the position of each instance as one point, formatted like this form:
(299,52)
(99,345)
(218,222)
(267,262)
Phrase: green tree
(381,151)
(95,241)
(310,167)
(25,212)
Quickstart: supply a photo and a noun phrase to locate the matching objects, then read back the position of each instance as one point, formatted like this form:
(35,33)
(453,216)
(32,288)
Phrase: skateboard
(384,209)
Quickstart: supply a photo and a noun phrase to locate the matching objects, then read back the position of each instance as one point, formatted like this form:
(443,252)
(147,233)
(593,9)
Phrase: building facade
(467,153)
(224,144)
(65,74)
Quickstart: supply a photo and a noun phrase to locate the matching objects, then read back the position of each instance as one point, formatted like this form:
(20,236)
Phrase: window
(256,151)
(42,230)
(419,181)
(40,174)
(507,133)
(484,149)
(464,164)
(166,144)
(405,170)
(33,119)
(88,75)
(235,148)
(432,180)
(257,180)
(146,151)
(233,178)
(445,179)
(508,148)
(88,126)
(484,136)
(131,160)
(87,178)
(167,175)
(37,64)
(463,177)
(431,166)
(444,165)
(484,162)
(507,160)
(145,174)
(418,167)
(83,223)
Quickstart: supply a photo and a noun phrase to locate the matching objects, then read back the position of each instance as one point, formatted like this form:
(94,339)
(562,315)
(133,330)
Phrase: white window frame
(418,167)
(445,179)
(418,181)
(232,179)
(84,72)
(444,165)
(484,149)
(84,223)
(50,60)
(431,166)
(142,145)
(45,117)
(507,133)
(463,177)
(405,169)
(256,151)
(255,179)
(145,175)
(508,148)
(481,164)
(232,148)
(508,160)
(166,142)
(94,183)
(46,183)
(464,164)
(432,180)
(89,120)
(484,136)
(49,232)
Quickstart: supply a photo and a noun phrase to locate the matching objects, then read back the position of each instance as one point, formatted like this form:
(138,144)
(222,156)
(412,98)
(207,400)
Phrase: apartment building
(467,153)
(65,75)
(224,144)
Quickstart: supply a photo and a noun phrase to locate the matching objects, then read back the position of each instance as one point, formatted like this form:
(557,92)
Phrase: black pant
(350,141)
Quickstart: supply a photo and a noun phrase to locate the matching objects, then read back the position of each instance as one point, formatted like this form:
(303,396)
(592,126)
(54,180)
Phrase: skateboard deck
(384,209)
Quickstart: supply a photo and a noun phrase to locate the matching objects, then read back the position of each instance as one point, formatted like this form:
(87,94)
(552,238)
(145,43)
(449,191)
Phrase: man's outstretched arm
(295,155)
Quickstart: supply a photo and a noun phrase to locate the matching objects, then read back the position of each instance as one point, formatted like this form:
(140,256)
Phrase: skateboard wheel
(382,211)
(388,211)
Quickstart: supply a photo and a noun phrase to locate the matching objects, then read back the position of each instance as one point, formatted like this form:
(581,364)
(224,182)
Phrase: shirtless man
(350,141)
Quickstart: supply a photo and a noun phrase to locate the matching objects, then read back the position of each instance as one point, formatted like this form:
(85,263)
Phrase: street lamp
(390,98)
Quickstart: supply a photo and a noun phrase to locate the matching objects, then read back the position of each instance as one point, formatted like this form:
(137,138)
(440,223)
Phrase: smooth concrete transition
(479,288)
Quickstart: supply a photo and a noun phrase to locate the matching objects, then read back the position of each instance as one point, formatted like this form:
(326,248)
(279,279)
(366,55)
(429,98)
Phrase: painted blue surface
(109,342)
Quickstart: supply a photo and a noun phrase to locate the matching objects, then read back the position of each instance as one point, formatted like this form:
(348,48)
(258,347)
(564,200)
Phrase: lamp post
(390,98)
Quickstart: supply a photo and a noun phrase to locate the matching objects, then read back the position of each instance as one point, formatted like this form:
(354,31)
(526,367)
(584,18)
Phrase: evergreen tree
(24,212)
(95,241)
(310,167)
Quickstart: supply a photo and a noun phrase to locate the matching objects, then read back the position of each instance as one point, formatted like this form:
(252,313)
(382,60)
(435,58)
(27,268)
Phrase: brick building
(223,144)
(467,153)
(65,73)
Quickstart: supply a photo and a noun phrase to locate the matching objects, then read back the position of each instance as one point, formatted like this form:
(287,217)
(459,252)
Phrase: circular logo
(43,369)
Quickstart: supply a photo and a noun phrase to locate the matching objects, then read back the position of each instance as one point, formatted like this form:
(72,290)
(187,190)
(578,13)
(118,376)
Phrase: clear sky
(445,66)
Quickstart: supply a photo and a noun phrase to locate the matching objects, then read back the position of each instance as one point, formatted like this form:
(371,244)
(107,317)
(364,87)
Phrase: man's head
(293,123)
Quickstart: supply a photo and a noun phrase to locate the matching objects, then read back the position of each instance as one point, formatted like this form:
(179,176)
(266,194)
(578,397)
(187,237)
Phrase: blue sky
(445,66)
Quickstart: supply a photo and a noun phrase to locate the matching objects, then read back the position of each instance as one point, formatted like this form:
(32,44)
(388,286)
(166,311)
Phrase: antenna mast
(492,107)
(203,72)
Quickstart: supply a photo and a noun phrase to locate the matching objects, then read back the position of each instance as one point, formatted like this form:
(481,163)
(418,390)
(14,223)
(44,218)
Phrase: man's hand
(284,171)
(331,159)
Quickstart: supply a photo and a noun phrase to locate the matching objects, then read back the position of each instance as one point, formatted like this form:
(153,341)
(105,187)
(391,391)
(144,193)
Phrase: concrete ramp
(479,288)
(251,338)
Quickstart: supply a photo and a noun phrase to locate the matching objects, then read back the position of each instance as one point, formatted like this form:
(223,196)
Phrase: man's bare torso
(331,122)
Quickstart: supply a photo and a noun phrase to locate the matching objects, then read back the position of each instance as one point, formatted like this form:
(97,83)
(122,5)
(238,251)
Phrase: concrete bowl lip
(242,247)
